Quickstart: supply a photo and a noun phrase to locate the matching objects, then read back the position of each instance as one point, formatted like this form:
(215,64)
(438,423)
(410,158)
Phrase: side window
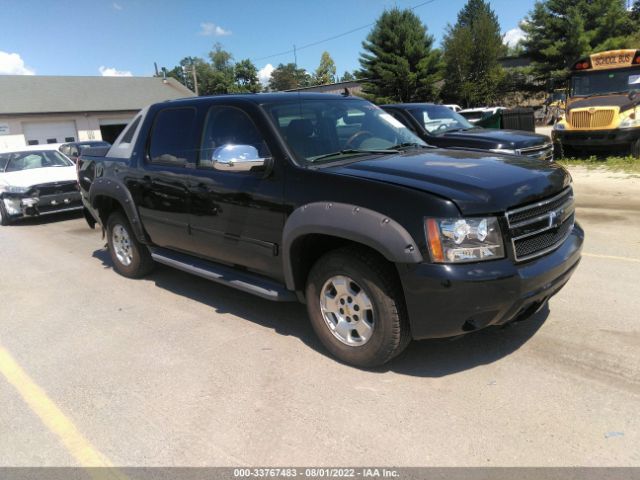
(226,126)
(172,137)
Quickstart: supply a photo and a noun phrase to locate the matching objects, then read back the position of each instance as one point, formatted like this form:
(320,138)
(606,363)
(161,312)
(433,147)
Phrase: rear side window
(172,137)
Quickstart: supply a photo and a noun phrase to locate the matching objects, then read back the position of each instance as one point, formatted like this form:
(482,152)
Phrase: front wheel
(130,258)
(356,307)
(4,217)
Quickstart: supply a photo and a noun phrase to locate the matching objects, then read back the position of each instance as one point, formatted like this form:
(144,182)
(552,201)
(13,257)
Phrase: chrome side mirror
(237,158)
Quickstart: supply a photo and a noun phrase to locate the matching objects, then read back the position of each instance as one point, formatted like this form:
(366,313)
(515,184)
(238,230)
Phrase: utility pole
(195,78)
(295,62)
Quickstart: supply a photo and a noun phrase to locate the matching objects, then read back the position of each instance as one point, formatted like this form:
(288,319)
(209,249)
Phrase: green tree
(561,31)
(347,77)
(635,11)
(472,47)
(246,76)
(326,71)
(288,77)
(398,61)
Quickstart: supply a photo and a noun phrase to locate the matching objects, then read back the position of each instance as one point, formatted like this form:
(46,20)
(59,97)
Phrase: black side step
(245,281)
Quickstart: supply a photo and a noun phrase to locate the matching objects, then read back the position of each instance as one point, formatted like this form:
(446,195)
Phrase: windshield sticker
(634,79)
(391,121)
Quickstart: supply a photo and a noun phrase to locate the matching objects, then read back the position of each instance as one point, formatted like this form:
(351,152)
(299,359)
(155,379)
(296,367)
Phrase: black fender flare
(111,188)
(350,222)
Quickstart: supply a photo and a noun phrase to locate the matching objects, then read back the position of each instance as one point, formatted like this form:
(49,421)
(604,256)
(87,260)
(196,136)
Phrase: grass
(626,164)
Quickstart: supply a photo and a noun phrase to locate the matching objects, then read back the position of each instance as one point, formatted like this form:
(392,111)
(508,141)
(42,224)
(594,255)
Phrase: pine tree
(561,31)
(347,77)
(399,62)
(472,48)
(326,71)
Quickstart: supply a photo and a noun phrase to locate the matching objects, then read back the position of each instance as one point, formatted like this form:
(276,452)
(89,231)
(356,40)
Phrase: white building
(35,110)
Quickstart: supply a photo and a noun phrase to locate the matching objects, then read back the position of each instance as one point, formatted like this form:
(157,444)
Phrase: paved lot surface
(173,370)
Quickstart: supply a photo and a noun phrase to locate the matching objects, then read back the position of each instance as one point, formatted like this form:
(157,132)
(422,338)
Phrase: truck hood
(510,139)
(477,183)
(37,176)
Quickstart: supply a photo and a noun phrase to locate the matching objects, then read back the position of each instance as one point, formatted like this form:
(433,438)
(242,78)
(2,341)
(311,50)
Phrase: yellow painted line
(611,257)
(54,419)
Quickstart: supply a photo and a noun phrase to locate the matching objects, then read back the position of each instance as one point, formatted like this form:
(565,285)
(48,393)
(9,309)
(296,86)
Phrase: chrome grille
(543,152)
(595,119)
(541,227)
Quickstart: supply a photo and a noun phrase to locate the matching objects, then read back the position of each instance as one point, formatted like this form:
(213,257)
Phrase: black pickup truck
(331,201)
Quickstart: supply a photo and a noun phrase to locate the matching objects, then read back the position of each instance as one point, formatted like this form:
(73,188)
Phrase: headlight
(12,206)
(460,240)
(504,150)
(12,189)
(559,126)
(630,123)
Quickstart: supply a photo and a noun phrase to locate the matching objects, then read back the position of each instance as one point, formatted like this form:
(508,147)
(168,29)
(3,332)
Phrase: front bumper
(21,206)
(449,300)
(596,138)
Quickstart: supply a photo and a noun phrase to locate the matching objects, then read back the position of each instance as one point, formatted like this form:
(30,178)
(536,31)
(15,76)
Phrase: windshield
(17,161)
(438,119)
(603,82)
(326,130)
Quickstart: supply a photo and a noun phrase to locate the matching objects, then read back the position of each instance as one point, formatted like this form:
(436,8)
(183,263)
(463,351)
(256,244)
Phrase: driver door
(236,215)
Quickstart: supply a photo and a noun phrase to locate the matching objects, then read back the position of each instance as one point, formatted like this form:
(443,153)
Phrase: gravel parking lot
(174,370)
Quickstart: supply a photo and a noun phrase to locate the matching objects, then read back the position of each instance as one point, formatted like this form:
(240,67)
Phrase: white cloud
(112,72)
(208,29)
(514,36)
(12,64)
(264,74)
(117,6)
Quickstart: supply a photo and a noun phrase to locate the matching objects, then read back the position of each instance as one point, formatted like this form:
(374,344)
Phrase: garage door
(40,133)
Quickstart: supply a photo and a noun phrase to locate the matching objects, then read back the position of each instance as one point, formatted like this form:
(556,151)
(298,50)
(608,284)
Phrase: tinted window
(128,135)
(229,126)
(172,136)
(322,130)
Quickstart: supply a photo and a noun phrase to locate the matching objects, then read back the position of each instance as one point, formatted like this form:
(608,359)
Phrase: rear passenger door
(236,216)
(163,194)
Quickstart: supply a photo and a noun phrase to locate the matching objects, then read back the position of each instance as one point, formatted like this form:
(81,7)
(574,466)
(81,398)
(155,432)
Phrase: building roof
(47,94)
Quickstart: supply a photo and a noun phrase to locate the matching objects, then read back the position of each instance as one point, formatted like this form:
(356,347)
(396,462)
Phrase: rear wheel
(130,258)
(356,307)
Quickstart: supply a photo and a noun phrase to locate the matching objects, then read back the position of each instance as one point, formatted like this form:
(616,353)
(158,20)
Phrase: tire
(384,326)
(4,218)
(130,258)
(635,149)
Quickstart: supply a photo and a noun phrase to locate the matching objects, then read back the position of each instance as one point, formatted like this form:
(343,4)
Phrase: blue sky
(94,37)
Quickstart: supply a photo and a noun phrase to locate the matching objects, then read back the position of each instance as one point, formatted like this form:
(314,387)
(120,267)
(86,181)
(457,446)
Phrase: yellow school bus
(602,108)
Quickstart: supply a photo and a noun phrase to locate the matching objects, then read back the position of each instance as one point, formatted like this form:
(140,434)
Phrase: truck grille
(56,188)
(542,152)
(541,227)
(595,119)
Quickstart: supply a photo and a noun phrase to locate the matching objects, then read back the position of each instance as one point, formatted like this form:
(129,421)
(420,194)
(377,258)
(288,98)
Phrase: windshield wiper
(408,145)
(351,151)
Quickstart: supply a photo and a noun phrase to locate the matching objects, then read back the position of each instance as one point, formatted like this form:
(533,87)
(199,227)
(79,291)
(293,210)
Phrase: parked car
(36,181)
(476,114)
(74,149)
(330,200)
(454,107)
(441,127)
